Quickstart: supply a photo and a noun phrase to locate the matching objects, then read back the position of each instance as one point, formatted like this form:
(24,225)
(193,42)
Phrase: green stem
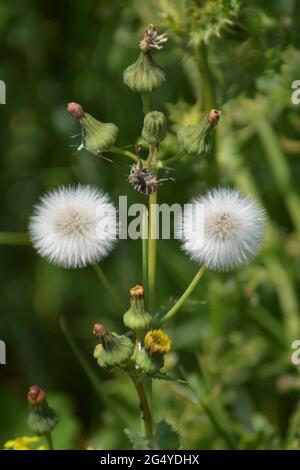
(145,247)
(107,285)
(146,102)
(125,153)
(152,248)
(48,437)
(177,306)
(208,92)
(145,410)
(12,238)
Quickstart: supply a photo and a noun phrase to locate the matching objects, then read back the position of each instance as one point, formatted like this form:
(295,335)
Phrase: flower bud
(42,419)
(97,137)
(196,139)
(136,318)
(144,75)
(155,127)
(112,349)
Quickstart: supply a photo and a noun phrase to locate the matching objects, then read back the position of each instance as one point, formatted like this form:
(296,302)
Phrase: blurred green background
(232,340)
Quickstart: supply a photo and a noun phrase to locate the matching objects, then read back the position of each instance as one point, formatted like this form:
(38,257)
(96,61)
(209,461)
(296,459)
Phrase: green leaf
(137,440)
(166,438)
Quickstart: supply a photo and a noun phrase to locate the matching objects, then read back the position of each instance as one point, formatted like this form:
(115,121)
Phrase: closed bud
(144,76)
(42,419)
(196,139)
(97,136)
(136,318)
(112,349)
(155,127)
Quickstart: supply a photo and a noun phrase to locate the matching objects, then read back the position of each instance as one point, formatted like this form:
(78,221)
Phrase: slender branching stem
(14,238)
(177,306)
(125,153)
(48,437)
(107,286)
(145,222)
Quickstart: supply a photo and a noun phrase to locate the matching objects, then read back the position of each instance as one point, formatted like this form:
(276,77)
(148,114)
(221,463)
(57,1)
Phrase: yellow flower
(157,342)
(23,443)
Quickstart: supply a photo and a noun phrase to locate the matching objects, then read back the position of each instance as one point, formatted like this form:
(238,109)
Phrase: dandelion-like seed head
(74,226)
(231,227)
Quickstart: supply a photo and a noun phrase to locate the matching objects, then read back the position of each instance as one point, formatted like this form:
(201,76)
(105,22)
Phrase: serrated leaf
(137,440)
(166,438)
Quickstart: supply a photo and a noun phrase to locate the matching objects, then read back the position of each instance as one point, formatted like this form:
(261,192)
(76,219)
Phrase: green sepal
(149,363)
(42,419)
(155,127)
(144,75)
(98,137)
(113,350)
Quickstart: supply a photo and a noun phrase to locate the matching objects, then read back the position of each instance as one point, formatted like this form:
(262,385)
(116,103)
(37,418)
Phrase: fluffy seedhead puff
(231,229)
(75,226)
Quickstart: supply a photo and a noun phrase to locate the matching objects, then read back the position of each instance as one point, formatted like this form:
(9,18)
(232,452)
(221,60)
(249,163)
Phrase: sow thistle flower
(233,227)
(24,443)
(74,226)
(150,359)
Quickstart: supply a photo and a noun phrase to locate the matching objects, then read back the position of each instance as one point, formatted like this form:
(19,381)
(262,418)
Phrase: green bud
(136,318)
(113,349)
(155,127)
(144,75)
(42,419)
(97,137)
(197,139)
(149,363)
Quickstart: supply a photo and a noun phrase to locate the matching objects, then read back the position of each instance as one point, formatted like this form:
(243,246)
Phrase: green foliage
(240,389)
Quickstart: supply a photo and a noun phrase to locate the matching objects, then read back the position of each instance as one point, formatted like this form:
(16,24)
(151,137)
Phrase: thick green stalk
(146,102)
(107,285)
(145,410)
(152,249)
(145,247)
(177,306)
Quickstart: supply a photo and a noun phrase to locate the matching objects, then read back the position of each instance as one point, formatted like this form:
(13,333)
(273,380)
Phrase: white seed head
(230,231)
(74,226)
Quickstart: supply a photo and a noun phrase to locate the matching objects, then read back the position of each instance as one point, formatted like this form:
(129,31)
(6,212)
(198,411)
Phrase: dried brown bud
(99,330)
(214,116)
(152,40)
(137,292)
(36,395)
(76,110)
